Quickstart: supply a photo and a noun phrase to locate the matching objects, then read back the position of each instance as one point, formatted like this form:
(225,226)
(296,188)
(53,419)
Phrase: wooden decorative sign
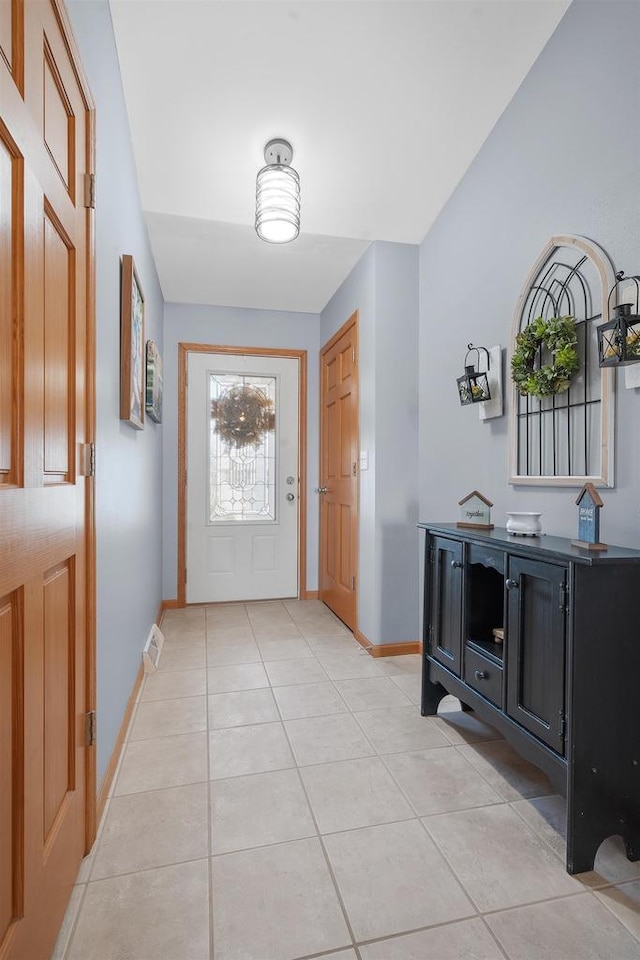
(475,512)
(589,503)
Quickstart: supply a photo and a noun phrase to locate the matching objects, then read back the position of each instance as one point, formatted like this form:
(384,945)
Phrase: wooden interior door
(46,372)
(339,451)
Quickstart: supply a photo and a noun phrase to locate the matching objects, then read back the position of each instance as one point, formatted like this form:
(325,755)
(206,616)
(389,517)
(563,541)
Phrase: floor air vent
(152,649)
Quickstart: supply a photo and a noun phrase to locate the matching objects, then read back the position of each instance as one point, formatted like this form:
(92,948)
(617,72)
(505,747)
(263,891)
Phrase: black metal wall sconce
(619,338)
(473,387)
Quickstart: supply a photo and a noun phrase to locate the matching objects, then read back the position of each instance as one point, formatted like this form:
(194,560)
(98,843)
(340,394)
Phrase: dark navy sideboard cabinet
(563,685)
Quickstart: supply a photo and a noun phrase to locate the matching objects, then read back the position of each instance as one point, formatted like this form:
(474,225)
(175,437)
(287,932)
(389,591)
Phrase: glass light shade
(277,203)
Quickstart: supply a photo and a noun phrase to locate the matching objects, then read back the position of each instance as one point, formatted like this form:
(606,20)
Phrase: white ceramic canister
(524,524)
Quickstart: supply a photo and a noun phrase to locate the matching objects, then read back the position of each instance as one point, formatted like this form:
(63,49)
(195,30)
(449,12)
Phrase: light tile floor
(280,797)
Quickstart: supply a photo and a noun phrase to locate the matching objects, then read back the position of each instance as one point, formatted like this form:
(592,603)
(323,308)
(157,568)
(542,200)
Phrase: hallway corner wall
(383,287)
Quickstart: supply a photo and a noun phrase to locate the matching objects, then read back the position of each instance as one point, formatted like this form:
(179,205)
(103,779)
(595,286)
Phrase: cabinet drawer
(486,556)
(483,675)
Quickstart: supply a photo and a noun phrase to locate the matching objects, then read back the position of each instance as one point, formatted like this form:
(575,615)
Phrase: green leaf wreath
(558,335)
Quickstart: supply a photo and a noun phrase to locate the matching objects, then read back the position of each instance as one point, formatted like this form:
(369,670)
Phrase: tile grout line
(494,937)
(605,903)
(485,777)
(133,873)
(413,930)
(323,848)
(74,925)
(405,793)
(585,891)
(488,913)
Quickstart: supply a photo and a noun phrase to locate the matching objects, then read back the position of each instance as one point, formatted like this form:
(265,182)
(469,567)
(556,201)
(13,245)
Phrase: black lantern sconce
(473,387)
(619,338)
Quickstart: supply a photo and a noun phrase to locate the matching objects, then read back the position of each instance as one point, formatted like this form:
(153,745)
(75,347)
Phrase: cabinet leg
(581,851)
(584,836)
(432,694)
(581,854)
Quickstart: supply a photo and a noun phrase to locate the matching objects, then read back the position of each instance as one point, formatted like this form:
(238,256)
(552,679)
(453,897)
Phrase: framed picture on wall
(132,353)
(154,382)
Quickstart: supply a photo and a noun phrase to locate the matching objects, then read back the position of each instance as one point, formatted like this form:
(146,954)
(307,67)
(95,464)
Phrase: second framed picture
(154,382)
(132,347)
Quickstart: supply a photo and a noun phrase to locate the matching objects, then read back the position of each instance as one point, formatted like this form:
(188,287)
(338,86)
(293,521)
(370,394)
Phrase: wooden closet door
(339,451)
(45,499)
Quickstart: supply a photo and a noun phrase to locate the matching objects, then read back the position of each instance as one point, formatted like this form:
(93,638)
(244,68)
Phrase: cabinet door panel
(536,649)
(446,602)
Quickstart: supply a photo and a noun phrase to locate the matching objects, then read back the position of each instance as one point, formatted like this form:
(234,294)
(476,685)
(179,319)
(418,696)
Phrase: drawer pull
(511,584)
(482,675)
(456,564)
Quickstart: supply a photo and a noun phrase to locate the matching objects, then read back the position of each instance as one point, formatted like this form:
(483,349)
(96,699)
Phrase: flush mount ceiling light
(278,195)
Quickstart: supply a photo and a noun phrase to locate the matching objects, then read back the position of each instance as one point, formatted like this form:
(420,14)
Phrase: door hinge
(354,469)
(563,726)
(564,596)
(432,555)
(353,353)
(90,728)
(353,583)
(88,468)
(430,640)
(90,190)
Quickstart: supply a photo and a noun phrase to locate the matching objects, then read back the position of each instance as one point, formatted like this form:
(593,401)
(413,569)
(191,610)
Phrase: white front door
(242,477)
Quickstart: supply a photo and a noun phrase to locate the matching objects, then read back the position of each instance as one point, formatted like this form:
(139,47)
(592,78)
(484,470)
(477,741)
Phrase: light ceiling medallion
(278,195)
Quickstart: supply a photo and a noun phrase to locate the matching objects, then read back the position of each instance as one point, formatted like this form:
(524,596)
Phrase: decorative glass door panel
(242,448)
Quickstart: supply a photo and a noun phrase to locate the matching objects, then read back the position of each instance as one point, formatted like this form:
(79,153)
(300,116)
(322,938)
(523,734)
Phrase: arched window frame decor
(524,410)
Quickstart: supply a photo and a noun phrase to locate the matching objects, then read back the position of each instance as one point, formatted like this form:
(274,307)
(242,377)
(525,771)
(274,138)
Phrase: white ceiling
(385,103)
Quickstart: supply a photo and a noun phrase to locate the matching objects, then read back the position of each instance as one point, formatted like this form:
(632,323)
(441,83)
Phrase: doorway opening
(242,473)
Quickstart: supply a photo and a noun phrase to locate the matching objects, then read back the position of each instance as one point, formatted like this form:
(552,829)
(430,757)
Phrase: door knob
(321,489)
(456,564)
(482,675)
(511,584)
(291,496)
(291,480)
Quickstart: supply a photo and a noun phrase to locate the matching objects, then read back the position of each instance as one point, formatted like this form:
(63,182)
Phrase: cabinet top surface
(541,546)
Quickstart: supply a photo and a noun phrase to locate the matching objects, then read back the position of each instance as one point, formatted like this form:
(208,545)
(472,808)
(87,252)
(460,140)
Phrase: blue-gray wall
(383,288)
(396,390)
(563,158)
(358,293)
(129,462)
(231,326)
